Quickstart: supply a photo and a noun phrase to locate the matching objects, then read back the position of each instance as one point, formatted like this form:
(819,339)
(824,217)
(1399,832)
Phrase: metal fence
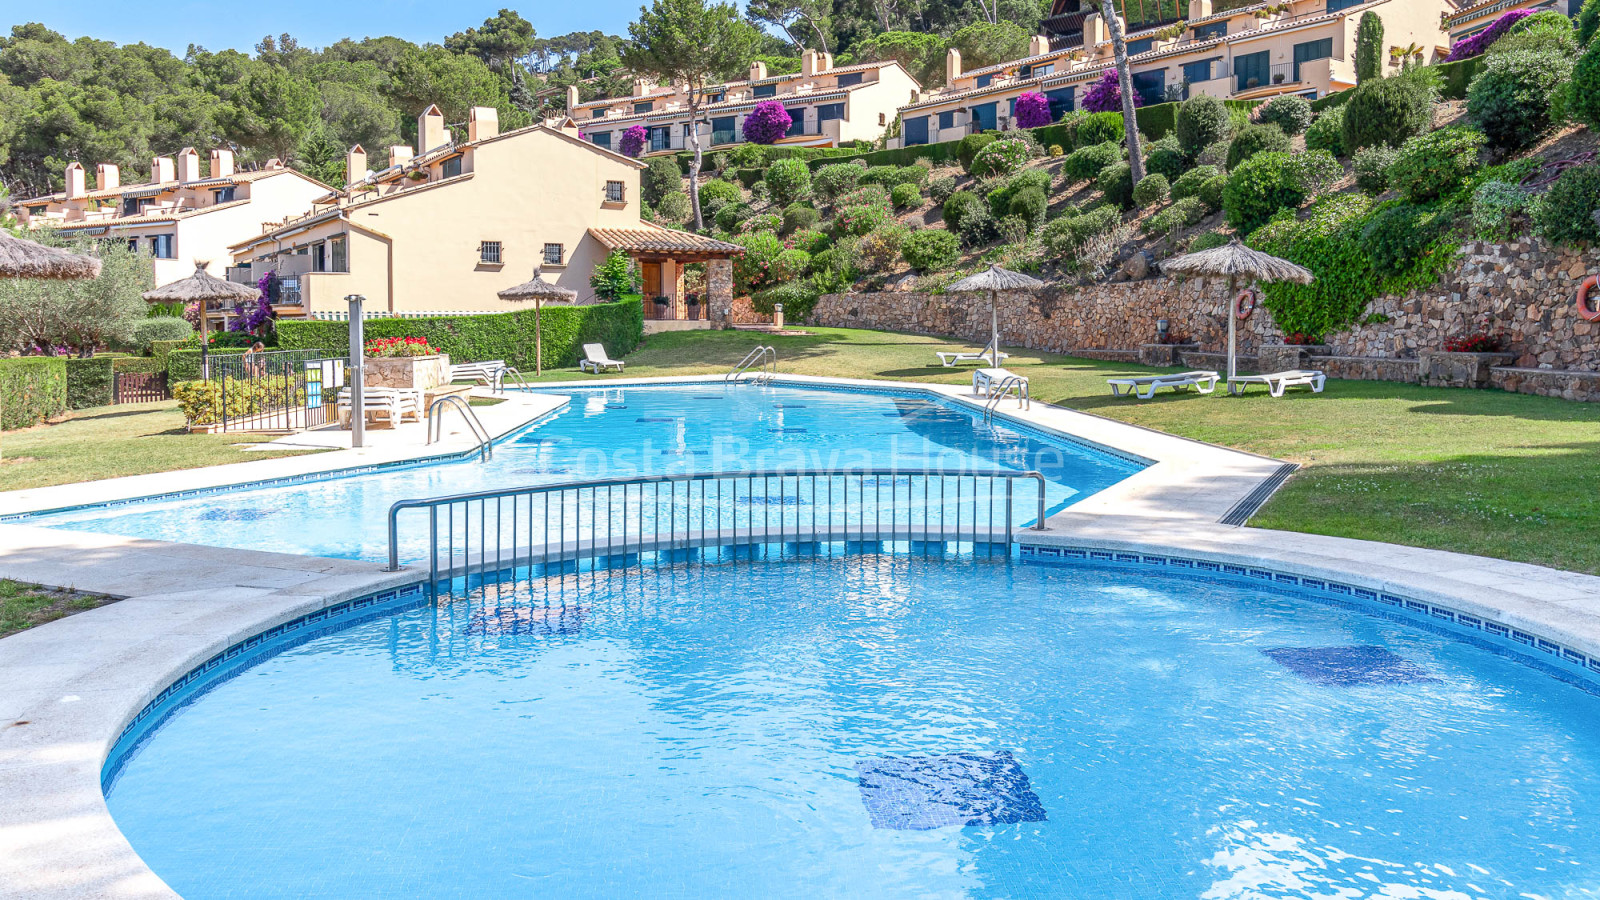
(495,533)
(281,390)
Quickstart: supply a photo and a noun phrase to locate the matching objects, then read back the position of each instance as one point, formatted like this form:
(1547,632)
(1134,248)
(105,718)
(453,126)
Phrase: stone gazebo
(661,254)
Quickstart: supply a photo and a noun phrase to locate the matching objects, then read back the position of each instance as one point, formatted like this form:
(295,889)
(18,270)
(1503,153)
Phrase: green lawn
(1485,472)
(110,441)
(23,606)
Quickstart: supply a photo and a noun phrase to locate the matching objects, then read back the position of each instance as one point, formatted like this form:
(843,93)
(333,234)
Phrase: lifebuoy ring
(1589,313)
(1246,296)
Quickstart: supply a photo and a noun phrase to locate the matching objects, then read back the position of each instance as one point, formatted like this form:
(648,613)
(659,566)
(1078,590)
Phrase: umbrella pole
(1233,326)
(205,357)
(538,339)
(994,330)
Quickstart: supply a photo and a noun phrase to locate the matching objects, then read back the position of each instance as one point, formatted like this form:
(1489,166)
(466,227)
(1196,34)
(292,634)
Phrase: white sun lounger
(1277,381)
(595,359)
(480,372)
(391,405)
(1204,381)
(988,355)
(985,380)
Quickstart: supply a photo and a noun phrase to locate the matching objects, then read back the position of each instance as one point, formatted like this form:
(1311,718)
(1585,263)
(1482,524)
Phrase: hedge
(1456,76)
(89,382)
(32,389)
(184,365)
(160,349)
(139,364)
(506,336)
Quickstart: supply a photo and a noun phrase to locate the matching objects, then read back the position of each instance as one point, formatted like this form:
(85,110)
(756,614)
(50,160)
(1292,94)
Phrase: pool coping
(79,682)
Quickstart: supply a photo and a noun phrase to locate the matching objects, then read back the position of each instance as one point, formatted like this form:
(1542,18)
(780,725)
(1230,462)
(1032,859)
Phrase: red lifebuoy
(1589,313)
(1246,295)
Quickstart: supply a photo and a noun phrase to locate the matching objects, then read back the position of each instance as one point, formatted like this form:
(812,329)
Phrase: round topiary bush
(1086,163)
(967,149)
(860,219)
(1188,184)
(1097,128)
(905,196)
(159,328)
(1436,164)
(787,180)
(978,227)
(1202,120)
(1209,240)
(999,158)
(799,217)
(1253,139)
(1511,97)
(1211,192)
(1000,197)
(1290,113)
(879,248)
(1372,168)
(887,176)
(730,215)
(1584,91)
(791,264)
(1116,183)
(660,178)
(1388,111)
(1166,158)
(1179,215)
(831,181)
(917,175)
(1268,182)
(958,206)
(1092,224)
(748,156)
(1327,132)
(1565,215)
(752,270)
(1151,189)
(762,222)
(1029,204)
(931,250)
(724,191)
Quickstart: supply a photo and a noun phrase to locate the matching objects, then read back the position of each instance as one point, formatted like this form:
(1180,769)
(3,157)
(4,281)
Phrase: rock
(900,284)
(1138,266)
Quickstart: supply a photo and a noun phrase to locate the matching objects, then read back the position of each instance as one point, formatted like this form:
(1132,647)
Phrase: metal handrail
(998,392)
(497,384)
(540,523)
(764,356)
(474,424)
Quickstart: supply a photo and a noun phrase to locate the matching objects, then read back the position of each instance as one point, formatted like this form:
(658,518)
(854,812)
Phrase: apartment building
(1304,47)
(829,106)
(179,217)
(446,225)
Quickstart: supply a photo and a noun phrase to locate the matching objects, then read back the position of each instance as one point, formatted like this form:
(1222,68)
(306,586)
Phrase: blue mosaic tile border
(1568,664)
(236,658)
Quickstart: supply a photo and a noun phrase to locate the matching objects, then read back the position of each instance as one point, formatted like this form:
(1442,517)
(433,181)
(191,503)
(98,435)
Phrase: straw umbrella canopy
(994,280)
(202,287)
(20,258)
(540,292)
(1235,261)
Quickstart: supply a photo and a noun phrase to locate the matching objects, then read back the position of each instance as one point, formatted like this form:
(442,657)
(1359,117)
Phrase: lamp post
(358,408)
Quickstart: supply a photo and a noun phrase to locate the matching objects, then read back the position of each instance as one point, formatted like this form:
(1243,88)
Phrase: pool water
(874,726)
(623,432)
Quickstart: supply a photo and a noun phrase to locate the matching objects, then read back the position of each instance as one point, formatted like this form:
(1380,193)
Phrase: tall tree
(1369,47)
(921,55)
(986,43)
(694,46)
(503,38)
(802,20)
(1119,48)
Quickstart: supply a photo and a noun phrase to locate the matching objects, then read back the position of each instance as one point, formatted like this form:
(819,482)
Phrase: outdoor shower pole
(358,408)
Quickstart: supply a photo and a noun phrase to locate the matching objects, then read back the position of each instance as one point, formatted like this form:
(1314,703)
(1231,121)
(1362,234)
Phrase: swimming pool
(626,431)
(874,726)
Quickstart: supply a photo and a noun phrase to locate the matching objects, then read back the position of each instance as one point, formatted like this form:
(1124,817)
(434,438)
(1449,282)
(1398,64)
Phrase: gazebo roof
(21,258)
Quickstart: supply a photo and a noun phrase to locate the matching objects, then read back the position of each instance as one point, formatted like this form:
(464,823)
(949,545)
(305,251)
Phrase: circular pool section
(874,726)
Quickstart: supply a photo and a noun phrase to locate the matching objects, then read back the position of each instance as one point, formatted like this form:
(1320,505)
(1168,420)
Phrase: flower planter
(1445,368)
(417,372)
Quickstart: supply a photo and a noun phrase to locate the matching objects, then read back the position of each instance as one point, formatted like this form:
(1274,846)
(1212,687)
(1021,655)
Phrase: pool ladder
(766,358)
(497,384)
(474,424)
(998,392)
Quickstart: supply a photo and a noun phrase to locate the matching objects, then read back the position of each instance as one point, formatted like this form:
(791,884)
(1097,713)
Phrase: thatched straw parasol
(540,292)
(994,280)
(203,288)
(21,258)
(1236,261)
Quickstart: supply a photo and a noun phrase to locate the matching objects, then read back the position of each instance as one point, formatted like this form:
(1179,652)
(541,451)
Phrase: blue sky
(175,24)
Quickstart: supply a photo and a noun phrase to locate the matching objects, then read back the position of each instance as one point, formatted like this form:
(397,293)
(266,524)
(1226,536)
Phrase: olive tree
(81,316)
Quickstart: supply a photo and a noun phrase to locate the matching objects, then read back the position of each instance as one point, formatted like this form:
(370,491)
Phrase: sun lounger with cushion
(1276,382)
(1144,386)
(595,359)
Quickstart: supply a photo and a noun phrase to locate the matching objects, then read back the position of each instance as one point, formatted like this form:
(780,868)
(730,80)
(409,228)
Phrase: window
(1152,86)
(223,194)
(1025,72)
(319,257)
(797,122)
(1196,72)
(660,138)
(601,139)
(1311,50)
(338,254)
(1042,71)
(130,207)
(827,112)
(554,254)
(723,130)
(984,80)
(133,245)
(36,210)
(915,131)
(644,107)
(947,119)
(764,90)
(849,80)
(983,117)
(687,128)
(161,246)
(1062,100)
(489,252)
(1209,31)
(450,168)
(1336,5)
(718,97)
(1252,70)
(1142,45)
(597,114)
(614,192)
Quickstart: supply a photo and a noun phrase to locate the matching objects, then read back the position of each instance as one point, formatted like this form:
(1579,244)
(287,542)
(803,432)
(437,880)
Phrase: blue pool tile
(917,793)
(1348,666)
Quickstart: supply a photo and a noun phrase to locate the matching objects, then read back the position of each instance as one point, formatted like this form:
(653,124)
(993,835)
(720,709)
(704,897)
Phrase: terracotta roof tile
(654,239)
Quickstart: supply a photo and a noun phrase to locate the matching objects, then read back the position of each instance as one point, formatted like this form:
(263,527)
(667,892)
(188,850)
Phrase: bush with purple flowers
(1105,95)
(1481,41)
(633,141)
(1033,110)
(768,122)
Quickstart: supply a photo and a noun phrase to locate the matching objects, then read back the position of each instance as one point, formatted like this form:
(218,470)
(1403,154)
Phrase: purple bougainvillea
(633,141)
(1033,110)
(1481,41)
(252,318)
(768,122)
(1105,95)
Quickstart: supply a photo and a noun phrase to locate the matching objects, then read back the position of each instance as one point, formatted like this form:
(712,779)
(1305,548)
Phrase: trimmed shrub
(1181,214)
(867,195)
(787,180)
(674,208)
(931,250)
(1086,163)
(887,176)
(1497,210)
(860,219)
(1211,192)
(1511,98)
(748,156)
(812,242)
(905,196)
(1215,154)
(762,222)
(713,191)
(1372,168)
(1092,224)
(1000,197)
(999,158)
(968,147)
(1166,158)
(1208,240)
(1188,184)
(1436,164)
(799,217)
(836,179)
(1565,215)
(1029,205)
(799,298)
(660,178)
(1290,113)
(184,365)
(89,382)
(978,226)
(1398,234)
(1055,151)
(940,189)
(1253,139)
(32,389)
(1588,22)
(917,175)
(1369,47)
(1151,189)
(752,270)
(475,338)
(789,265)
(878,249)
(1546,29)
(1202,121)
(159,328)
(1327,132)
(1116,183)
(1268,182)
(958,206)
(1389,110)
(1584,90)
(1100,127)
(728,217)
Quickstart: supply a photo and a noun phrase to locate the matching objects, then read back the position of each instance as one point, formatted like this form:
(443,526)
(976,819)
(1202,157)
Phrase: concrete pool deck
(72,685)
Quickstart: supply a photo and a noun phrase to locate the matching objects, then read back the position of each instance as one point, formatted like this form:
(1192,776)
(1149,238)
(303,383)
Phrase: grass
(1485,472)
(23,606)
(111,441)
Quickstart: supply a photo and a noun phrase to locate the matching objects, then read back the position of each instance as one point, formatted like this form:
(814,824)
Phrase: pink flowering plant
(1481,41)
(633,141)
(767,123)
(1105,95)
(1033,110)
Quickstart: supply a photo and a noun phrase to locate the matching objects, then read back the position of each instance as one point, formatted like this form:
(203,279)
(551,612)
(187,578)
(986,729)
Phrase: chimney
(221,163)
(76,190)
(161,170)
(808,62)
(572,100)
(1199,9)
(273,163)
(1094,32)
(355,165)
(188,165)
(641,87)
(483,122)
(758,70)
(399,155)
(430,130)
(952,65)
(107,177)
(824,62)
(1038,45)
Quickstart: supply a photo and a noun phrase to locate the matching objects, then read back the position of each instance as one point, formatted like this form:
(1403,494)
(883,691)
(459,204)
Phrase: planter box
(1164,354)
(419,372)
(1283,357)
(1442,368)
